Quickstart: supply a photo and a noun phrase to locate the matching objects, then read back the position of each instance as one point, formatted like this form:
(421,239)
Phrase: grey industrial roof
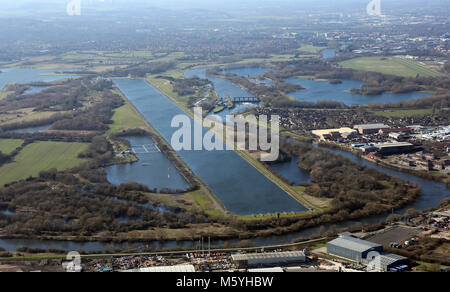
(389,145)
(353,243)
(268,255)
(372,126)
(387,259)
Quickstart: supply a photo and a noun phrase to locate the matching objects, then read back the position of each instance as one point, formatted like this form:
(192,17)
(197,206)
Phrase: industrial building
(334,134)
(370,128)
(394,148)
(272,258)
(360,251)
(389,262)
(352,248)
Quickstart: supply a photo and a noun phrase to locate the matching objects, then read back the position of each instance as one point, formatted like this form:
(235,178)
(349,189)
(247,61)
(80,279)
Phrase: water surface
(238,185)
(153,169)
(291,171)
(323,90)
(25,75)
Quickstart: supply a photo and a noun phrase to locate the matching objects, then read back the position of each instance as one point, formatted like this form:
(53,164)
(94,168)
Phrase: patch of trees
(188,86)
(141,70)
(95,118)
(59,203)
(62,97)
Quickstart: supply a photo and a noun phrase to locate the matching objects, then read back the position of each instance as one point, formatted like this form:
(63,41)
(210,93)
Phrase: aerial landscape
(246,136)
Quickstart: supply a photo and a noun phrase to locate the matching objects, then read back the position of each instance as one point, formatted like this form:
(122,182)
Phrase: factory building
(370,128)
(394,148)
(388,262)
(271,258)
(352,248)
(334,134)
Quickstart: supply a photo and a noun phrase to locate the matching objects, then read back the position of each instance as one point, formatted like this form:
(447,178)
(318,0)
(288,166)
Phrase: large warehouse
(352,248)
(270,258)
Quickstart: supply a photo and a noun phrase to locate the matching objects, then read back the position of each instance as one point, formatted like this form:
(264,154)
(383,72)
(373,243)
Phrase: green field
(390,65)
(40,156)
(402,113)
(9,145)
(126,117)
(311,49)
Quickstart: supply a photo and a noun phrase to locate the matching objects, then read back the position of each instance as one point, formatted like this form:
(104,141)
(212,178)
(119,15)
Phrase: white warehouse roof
(267,255)
(166,269)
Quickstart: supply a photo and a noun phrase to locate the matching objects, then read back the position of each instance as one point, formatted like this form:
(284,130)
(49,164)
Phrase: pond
(328,54)
(32,130)
(35,89)
(153,169)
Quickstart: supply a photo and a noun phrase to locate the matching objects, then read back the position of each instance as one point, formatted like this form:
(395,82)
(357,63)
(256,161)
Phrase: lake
(323,90)
(153,168)
(26,75)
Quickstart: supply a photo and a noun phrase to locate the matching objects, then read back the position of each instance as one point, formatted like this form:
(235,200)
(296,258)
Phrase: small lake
(32,130)
(25,75)
(323,90)
(35,89)
(328,54)
(153,168)
(291,171)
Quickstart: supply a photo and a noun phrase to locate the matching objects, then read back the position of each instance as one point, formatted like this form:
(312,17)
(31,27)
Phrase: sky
(18,7)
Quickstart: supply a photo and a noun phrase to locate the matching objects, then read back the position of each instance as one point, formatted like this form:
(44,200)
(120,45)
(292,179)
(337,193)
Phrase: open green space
(399,113)
(40,156)
(390,65)
(310,49)
(126,117)
(9,145)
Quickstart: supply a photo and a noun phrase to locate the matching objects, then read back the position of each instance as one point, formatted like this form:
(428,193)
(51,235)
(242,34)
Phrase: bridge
(145,149)
(246,99)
